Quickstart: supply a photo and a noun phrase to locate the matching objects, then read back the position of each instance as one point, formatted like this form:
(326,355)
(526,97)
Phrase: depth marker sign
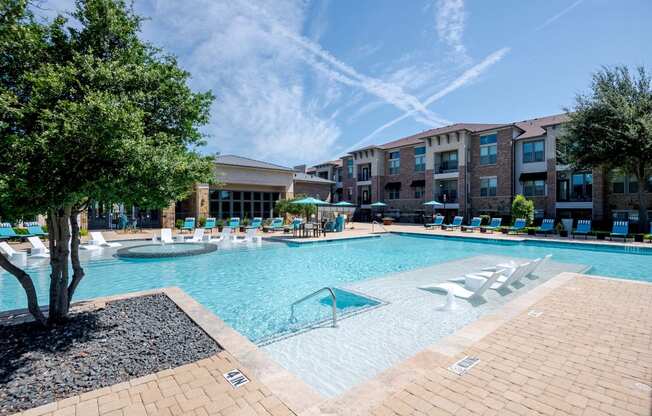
(236,378)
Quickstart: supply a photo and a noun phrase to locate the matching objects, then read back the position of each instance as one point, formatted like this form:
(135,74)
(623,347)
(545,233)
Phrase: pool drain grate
(464,365)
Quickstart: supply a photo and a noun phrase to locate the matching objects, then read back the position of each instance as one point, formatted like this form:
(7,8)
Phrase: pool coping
(309,241)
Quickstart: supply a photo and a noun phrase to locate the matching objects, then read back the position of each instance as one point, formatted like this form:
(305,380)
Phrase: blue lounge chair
(7,232)
(583,228)
(188,224)
(620,229)
(234,223)
(35,229)
(457,223)
(494,225)
(210,224)
(475,224)
(275,225)
(518,227)
(439,221)
(339,223)
(547,226)
(255,223)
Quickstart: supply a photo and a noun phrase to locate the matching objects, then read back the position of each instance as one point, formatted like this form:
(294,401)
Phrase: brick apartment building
(478,169)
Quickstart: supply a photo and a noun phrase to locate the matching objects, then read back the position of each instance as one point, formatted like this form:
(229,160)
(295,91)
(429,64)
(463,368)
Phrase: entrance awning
(533,176)
(418,182)
(393,186)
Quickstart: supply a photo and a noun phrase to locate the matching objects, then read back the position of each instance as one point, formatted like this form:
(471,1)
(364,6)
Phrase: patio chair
(275,225)
(226,235)
(255,223)
(475,225)
(339,223)
(7,249)
(35,229)
(457,223)
(209,224)
(7,232)
(620,229)
(188,224)
(330,226)
(248,237)
(38,248)
(166,236)
(537,263)
(468,291)
(547,227)
(519,226)
(234,223)
(583,228)
(506,276)
(439,220)
(97,239)
(197,236)
(494,225)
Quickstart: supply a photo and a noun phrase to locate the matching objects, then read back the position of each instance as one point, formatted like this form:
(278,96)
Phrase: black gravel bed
(124,340)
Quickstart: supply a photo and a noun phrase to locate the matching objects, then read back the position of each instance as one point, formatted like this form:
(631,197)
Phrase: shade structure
(434,203)
(309,201)
(343,204)
(378,204)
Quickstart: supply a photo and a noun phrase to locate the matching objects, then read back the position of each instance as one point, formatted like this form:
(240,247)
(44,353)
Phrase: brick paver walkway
(589,353)
(196,389)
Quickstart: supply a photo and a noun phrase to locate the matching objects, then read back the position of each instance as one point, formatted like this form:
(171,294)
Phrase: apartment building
(478,168)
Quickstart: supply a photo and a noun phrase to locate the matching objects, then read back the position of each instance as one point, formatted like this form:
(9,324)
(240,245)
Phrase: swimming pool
(252,288)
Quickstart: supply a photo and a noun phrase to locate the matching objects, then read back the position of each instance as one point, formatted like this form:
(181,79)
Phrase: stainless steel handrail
(333,298)
(378,224)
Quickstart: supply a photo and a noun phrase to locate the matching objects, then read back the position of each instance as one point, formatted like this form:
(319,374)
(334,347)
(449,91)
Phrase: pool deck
(586,351)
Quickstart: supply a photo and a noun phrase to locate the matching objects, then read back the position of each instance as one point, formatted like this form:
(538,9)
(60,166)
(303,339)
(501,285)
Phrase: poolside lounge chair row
(211,223)
(499,277)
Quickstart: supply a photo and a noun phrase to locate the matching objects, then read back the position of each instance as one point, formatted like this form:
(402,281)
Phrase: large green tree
(88,111)
(611,127)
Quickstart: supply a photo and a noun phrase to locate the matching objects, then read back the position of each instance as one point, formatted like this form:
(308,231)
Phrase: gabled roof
(233,160)
(536,126)
(418,138)
(305,177)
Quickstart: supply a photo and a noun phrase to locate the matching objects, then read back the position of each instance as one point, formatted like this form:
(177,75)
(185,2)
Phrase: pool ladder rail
(316,292)
(373,223)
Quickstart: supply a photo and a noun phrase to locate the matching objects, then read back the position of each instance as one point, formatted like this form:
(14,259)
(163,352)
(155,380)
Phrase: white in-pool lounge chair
(7,249)
(225,235)
(38,248)
(469,291)
(507,276)
(97,239)
(249,236)
(535,265)
(197,236)
(166,236)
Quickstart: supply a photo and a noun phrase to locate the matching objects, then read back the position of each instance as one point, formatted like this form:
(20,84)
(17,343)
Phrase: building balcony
(574,204)
(446,167)
(448,198)
(364,178)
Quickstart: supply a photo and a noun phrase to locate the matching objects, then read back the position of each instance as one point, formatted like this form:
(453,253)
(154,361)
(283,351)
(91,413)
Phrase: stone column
(599,196)
(168,215)
(201,204)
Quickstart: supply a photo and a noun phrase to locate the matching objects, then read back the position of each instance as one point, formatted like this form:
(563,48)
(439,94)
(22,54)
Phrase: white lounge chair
(468,291)
(166,236)
(225,235)
(38,248)
(7,249)
(97,239)
(248,237)
(535,265)
(507,276)
(197,236)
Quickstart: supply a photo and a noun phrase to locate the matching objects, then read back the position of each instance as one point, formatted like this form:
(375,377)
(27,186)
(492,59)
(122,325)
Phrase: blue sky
(302,81)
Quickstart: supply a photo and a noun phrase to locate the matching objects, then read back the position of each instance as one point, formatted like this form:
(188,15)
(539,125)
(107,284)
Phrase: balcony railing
(446,167)
(364,201)
(364,177)
(450,198)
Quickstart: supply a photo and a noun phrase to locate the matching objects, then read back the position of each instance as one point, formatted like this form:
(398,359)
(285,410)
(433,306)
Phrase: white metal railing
(373,223)
(333,299)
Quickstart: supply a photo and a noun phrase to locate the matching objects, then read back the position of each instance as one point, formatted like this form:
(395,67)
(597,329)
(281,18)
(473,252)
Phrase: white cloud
(558,15)
(468,76)
(450,21)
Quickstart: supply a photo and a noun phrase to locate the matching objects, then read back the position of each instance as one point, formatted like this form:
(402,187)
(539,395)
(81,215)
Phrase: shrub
(245,222)
(201,222)
(485,219)
(83,232)
(178,224)
(523,208)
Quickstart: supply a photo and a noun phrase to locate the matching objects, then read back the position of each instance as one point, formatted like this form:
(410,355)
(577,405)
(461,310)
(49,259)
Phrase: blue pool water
(252,289)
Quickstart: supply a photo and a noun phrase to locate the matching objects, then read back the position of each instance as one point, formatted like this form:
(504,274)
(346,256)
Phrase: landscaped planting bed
(126,339)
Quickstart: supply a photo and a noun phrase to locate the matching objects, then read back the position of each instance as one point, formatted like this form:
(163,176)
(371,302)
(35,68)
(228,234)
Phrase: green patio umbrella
(434,204)
(310,201)
(343,204)
(378,205)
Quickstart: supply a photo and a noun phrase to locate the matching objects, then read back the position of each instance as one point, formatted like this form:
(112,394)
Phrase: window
(447,191)
(419,192)
(649,182)
(393,193)
(349,167)
(534,187)
(488,186)
(447,162)
(394,163)
(419,159)
(488,149)
(533,151)
(632,185)
(618,183)
(581,186)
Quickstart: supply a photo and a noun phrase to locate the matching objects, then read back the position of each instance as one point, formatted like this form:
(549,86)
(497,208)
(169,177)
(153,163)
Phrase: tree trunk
(26,282)
(59,233)
(642,203)
(77,270)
